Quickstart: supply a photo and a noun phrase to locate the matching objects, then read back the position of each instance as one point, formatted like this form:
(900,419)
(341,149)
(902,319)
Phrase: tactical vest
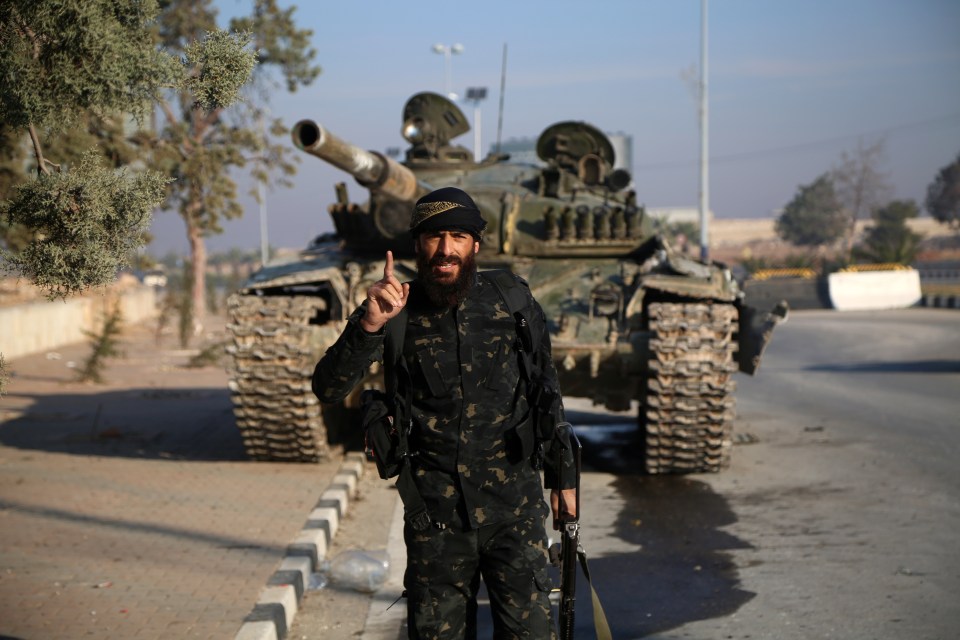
(386,416)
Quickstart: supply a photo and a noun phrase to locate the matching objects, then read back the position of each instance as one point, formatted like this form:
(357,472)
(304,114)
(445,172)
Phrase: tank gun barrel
(371,169)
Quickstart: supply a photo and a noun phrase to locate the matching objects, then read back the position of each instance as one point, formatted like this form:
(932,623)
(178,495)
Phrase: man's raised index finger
(388,268)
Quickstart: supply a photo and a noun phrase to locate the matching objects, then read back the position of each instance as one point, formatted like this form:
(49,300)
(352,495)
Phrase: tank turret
(632,321)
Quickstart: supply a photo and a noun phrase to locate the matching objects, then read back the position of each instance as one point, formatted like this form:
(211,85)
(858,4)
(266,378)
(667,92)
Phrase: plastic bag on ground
(358,569)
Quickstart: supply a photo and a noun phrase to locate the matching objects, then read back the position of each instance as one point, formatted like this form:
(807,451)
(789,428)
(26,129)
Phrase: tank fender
(756,329)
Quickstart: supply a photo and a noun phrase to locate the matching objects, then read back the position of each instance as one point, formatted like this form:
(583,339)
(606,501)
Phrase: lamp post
(475,95)
(704,154)
(448,51)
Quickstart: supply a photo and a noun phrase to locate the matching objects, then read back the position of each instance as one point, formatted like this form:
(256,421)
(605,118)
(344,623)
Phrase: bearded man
(471,428)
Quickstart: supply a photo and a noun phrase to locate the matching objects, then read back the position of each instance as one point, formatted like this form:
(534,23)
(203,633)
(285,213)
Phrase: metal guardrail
(798,272)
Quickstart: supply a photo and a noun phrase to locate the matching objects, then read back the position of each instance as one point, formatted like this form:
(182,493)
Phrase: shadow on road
(684,570)
(175,423)
(911,366)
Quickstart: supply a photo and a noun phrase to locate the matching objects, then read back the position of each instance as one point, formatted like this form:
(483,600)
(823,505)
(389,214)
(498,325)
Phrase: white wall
(38,326)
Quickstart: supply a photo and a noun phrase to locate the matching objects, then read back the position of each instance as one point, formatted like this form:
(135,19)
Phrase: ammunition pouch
(381,437)
(387,447)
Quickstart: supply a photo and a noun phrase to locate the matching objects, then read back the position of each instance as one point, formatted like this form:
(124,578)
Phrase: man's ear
(476,248)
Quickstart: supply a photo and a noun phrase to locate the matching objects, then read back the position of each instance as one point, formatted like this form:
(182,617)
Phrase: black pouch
(381,438)
(521,441)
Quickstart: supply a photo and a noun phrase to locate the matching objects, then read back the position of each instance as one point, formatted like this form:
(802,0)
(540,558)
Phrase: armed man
(471,403)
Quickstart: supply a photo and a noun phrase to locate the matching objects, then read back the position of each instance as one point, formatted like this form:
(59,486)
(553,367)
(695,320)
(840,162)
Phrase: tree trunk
(198,266)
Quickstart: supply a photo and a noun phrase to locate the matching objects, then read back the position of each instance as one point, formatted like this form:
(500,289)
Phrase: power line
(802,146)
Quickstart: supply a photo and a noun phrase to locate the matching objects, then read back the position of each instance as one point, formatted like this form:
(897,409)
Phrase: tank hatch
(582,150)
(430,122)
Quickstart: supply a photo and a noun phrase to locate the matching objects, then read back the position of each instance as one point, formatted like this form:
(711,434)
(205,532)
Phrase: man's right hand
(385,298)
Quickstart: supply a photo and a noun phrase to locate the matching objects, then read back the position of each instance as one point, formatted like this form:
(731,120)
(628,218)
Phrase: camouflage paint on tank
(630,318)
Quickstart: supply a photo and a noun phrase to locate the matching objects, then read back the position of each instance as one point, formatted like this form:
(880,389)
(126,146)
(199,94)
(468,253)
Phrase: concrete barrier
(864,290)
(40,326)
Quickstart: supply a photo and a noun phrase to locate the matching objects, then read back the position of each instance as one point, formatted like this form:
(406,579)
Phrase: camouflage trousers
(444,567)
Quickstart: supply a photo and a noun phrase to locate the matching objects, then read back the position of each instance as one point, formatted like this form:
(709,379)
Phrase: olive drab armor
(632,321)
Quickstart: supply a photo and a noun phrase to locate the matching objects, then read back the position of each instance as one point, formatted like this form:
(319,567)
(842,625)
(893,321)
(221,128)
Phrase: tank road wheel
(688,411)
(276,411)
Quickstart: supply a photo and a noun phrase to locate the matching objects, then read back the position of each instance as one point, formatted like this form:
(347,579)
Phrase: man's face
(445,253)
(445,263)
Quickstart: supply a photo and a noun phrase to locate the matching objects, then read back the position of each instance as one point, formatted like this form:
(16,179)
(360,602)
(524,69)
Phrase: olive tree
(814,217)
(201,147)
(72,61)
(943,195)
(889,239)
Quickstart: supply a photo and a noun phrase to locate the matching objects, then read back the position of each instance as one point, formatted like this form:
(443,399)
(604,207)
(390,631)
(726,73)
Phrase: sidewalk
(128,510)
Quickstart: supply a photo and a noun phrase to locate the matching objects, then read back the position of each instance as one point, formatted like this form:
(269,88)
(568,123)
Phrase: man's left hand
(563,510)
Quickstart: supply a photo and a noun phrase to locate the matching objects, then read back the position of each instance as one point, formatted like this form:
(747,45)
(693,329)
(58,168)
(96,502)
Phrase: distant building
(673,215)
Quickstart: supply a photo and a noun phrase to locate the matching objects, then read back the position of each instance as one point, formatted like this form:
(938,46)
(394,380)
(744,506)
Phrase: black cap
(447,209)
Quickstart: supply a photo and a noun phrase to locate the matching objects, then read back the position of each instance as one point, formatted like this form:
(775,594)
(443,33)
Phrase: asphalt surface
(128,511)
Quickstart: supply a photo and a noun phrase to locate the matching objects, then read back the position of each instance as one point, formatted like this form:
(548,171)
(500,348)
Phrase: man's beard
(447,294)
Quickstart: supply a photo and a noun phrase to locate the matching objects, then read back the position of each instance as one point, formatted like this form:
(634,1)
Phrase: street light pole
(448,51)
(475,95)
(704,155)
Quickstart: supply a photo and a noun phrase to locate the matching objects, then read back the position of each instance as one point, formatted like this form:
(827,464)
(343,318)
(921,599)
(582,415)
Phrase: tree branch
(38,151)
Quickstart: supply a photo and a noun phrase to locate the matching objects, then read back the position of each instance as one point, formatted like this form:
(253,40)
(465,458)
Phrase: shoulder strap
(395,331)
(414,509)
(508,286)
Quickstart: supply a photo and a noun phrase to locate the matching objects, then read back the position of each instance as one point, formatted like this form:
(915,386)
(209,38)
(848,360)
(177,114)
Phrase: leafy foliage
(62,57)
(104,134)
(201,148)
(889,239)
(220,65)
(814,217)
(280,43)
(943,195)
(13,159)
(70,61)
(860,185)
(104,344)
(84,223)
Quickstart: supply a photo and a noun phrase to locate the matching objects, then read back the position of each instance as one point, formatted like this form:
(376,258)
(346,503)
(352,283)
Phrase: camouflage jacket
(472,431)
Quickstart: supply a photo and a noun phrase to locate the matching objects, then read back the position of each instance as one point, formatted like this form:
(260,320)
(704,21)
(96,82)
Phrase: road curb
(279,599)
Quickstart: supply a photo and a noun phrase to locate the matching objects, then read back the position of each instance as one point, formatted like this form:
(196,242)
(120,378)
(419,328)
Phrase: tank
(630,318)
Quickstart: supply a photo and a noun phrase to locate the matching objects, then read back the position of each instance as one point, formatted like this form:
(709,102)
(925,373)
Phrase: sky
(792,85)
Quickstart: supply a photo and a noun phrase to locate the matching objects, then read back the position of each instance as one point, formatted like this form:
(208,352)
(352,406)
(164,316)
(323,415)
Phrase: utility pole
(475,95)
(447,51)
(704,153)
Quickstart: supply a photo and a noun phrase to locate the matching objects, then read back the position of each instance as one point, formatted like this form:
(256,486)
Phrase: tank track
(276,411)
(689,408)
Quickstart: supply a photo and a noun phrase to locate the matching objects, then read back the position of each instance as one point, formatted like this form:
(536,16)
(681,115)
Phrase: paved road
(127,510)
(837,519)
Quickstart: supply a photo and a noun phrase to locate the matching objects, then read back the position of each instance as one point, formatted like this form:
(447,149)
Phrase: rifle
(570,551)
